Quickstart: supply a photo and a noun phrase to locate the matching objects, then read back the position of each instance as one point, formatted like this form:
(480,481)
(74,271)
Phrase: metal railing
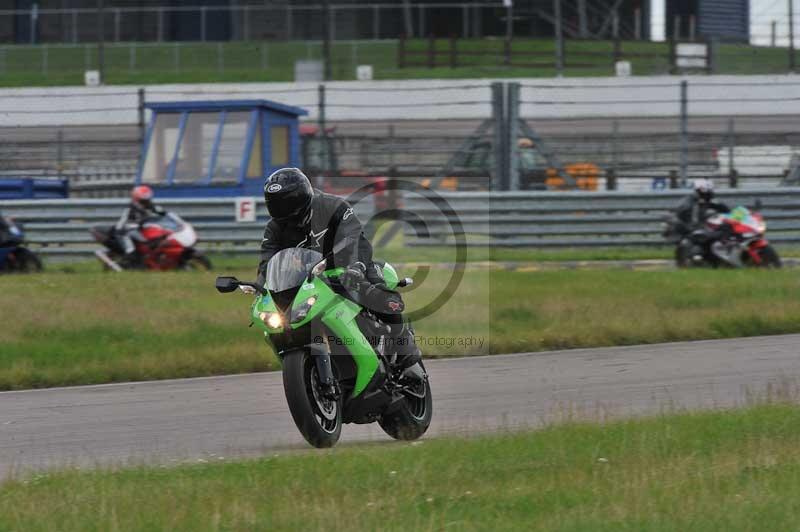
(576,219)
(506,219)
(61,227)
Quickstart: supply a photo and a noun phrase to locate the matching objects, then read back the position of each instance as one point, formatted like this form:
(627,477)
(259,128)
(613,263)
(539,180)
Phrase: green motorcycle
(333,351)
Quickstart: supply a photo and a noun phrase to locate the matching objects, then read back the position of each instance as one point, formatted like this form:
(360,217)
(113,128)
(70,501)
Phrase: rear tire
(413,419)
(682,258)
(318,420)
(770,257)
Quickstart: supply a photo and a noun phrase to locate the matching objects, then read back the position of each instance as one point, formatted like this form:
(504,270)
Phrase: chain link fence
(526,141)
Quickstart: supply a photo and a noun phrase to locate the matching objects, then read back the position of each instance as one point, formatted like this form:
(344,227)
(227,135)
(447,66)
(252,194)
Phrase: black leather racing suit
(330,220)
(694,211)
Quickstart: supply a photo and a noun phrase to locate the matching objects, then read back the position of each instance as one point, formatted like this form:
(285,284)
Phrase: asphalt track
(246,415)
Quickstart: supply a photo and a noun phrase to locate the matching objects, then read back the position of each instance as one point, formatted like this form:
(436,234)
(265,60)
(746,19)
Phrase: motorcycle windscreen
(289,268)
(167,222)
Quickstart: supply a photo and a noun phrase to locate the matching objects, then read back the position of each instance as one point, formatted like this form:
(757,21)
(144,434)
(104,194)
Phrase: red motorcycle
(744,246)
(162,243)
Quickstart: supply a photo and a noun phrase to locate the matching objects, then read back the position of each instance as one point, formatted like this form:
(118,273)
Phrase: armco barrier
(61,227)
(577,219)
(507,219)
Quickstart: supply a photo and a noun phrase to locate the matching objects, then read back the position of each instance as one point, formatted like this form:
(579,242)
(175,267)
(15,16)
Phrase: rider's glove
(247,289)
(353,275)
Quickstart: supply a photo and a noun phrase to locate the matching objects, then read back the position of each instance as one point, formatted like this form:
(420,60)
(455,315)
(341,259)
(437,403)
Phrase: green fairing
(341,319)
(337,313)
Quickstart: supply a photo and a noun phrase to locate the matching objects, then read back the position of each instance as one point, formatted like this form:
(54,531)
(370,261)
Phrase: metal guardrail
(61,227)
(505,219)
(577,219)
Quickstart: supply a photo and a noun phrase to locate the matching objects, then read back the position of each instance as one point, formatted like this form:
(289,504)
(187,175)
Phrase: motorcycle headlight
(273,320)
(300,312)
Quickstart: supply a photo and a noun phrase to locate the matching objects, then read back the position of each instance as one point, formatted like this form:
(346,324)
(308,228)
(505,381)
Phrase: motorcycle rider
(129,225)
(305,217)
(696,208)
(4,231)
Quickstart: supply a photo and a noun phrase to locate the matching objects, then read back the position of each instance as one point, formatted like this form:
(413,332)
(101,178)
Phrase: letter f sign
(245,210)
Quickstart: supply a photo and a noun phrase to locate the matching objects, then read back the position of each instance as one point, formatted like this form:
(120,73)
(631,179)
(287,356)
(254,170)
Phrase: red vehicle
(746,246)
(163,243)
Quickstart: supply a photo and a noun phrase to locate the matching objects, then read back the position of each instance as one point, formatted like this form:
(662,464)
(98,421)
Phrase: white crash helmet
(703,188)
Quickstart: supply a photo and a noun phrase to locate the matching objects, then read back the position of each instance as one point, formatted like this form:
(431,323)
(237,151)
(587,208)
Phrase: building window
(279,143)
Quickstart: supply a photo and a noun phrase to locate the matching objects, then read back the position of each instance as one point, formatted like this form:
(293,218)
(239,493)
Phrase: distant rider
(696,208)
(129,225)
(308,218)
(5,233)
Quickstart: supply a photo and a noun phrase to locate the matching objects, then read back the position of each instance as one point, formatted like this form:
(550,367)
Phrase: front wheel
(769,257)
(197,263)
(27,261)
(318,419)
(414,417)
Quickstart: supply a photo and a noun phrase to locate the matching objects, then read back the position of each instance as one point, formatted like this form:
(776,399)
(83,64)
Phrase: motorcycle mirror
(226,284)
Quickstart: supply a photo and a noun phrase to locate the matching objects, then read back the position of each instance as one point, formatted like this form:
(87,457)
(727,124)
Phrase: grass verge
(83,328)
(396,253)
(730,470)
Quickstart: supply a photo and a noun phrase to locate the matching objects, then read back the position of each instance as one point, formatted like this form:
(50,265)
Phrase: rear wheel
(414,417)
(317,418)
(682,258)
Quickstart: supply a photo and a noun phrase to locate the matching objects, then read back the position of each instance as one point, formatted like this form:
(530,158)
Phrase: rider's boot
(405,347)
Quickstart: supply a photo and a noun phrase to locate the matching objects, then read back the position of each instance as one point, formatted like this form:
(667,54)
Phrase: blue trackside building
(217,148)
(12,188)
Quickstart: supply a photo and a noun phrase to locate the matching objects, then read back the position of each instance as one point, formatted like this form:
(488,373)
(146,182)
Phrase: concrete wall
(424,99)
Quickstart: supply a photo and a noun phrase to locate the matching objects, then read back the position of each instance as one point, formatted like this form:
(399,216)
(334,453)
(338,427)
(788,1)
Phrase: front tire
(199,263)
(319,420)
(770,257)
(414,418)
(27,261)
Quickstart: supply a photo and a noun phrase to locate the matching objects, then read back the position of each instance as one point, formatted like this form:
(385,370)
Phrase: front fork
(322,359)
(753,249)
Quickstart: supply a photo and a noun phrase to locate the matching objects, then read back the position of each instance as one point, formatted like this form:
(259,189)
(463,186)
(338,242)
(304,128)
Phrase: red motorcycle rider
(129,226)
